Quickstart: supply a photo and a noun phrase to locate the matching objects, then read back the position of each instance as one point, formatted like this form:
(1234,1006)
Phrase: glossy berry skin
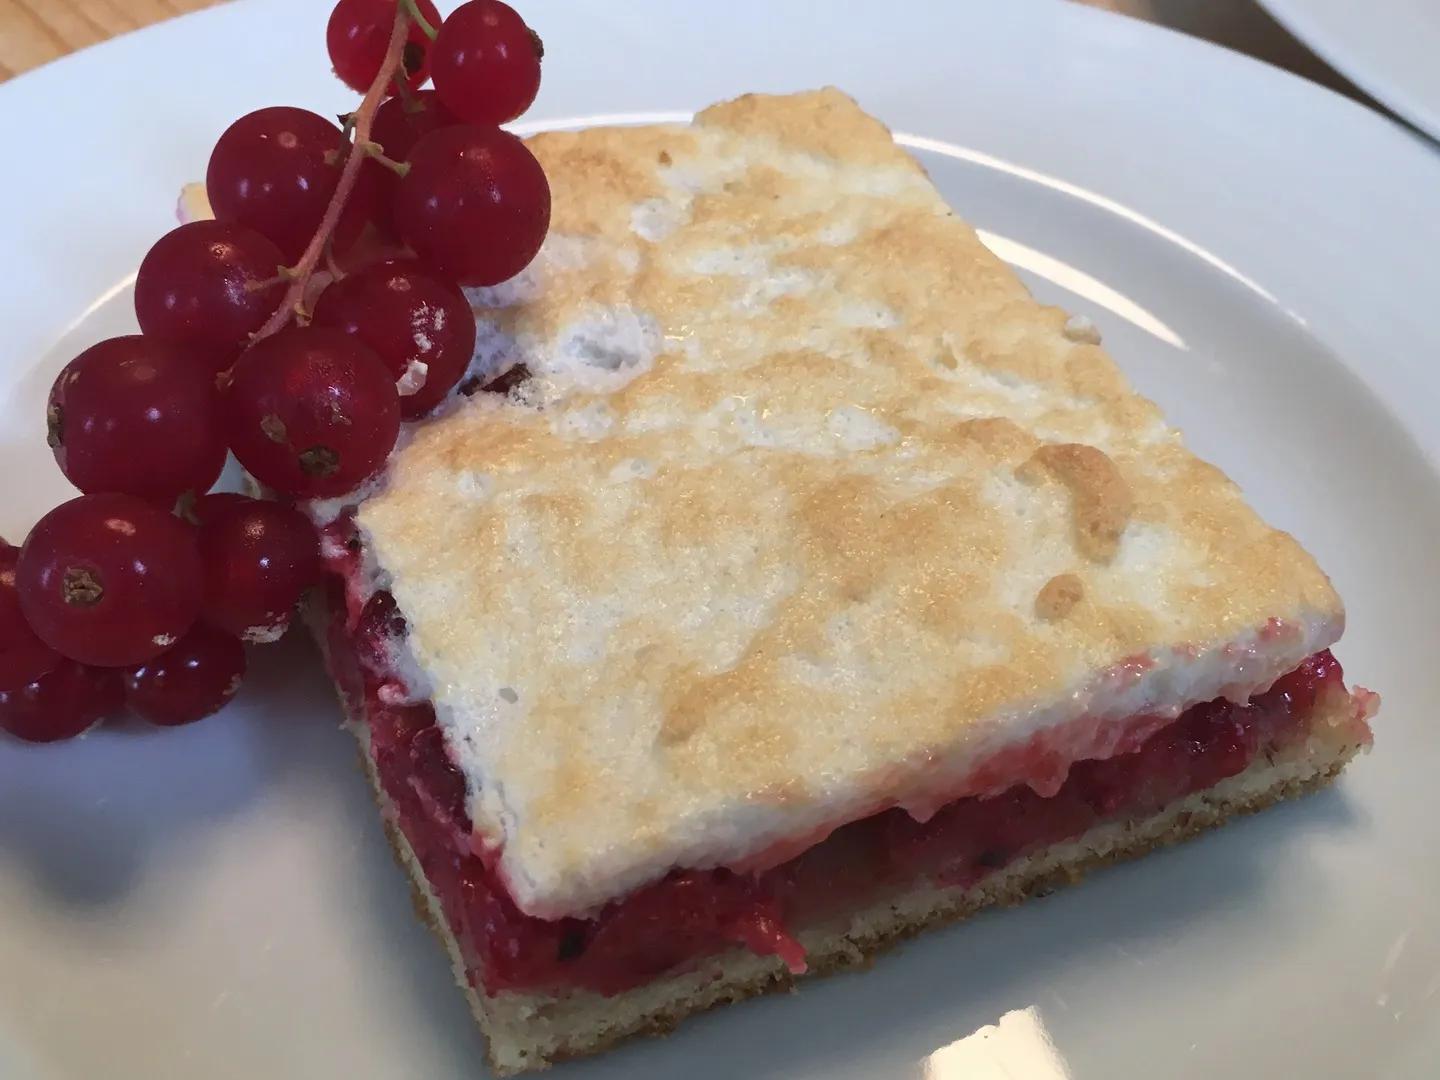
(259,558)
(63,703)
(274,170)
(486,63)
(23,656)
(399,124)
(311,412)
(137,416)
(14,630)
(23,664)
(358,33)
(195,678)
(209,285)
(109,580)
(402,122)
(408,318)
(475,205)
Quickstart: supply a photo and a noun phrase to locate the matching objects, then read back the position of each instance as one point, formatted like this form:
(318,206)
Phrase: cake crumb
(1081,330)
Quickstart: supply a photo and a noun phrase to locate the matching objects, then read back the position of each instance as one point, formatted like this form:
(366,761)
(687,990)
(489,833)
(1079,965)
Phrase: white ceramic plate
(1390,48)
(219,902)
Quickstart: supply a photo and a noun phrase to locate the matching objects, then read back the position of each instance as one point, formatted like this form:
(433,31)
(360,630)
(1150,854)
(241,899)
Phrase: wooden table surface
(35,31)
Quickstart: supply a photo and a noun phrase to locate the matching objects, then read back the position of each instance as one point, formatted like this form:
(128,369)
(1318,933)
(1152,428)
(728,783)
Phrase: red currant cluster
(321,307)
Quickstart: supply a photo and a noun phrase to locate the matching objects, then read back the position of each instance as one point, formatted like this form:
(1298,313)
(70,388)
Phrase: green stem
(371,149)
(413,10)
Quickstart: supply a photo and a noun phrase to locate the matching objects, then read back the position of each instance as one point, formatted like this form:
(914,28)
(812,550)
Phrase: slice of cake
(788,581)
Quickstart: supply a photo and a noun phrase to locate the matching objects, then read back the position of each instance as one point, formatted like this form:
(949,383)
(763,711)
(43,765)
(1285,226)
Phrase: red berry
(109,580)
(274,171)
(205,508)
(357,36)
(486,62)
(209,285)
(137,416)
(22,665)
(188,682)
(475,204)
(23,656)
(62,703)
(311,412)
(378,626)
(259,557)
(420,327)
(401,122)
(14,630)
(1296,692)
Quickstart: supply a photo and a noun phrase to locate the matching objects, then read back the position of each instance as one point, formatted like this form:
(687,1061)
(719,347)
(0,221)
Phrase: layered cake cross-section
(787,580)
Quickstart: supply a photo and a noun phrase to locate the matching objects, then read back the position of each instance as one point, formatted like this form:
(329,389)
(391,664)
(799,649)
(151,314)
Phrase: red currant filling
(693,914)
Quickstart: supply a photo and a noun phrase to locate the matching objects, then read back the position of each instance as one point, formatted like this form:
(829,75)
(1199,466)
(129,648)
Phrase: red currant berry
(137,416)
(259,558)
(22,664)
(14,630)
(378,626)
(401,122)
(63,703)
(311,412)
(23,656)
(193,679)
(359,32)
(475,204)
(420,327)
(206,507)
(274,170)
(486,62)
(109,580)
(209,285)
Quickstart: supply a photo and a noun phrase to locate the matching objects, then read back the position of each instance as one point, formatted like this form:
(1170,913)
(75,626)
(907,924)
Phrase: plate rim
(1403,149)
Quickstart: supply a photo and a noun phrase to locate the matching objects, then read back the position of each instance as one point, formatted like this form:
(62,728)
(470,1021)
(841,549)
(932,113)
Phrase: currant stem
(374,150)
(411,9)
(282,273)
(331,266)
(408,100)
(364,116)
